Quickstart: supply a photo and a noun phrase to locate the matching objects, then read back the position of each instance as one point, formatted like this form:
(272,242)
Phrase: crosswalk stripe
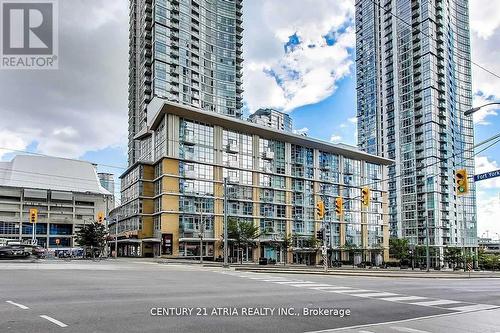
(407,329)
(436,302)
(376,294)
(473,307)
(331,288)
(402,298)
(349,291)
(309,285)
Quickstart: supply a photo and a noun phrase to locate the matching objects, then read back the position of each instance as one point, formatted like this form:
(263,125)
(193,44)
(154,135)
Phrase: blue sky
(298,58)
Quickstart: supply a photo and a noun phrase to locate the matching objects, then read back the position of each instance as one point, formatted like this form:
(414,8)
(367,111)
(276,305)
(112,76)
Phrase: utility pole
(116,237)
(427,252)
(225,224)
(202,229)
(323,249)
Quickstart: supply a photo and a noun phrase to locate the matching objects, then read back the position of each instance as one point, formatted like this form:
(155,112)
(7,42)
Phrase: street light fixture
(473,110)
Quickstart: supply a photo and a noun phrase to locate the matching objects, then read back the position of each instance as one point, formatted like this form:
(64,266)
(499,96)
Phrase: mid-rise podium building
(274,179)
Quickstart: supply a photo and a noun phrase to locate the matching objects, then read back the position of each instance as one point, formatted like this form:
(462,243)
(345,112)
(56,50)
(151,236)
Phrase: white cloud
(301,131)
(481,115)
(484,17)
(485,37)
(83,105)
(488,207)
(307,74)
(484,164)
(335,138)
(12,140)
(353,120)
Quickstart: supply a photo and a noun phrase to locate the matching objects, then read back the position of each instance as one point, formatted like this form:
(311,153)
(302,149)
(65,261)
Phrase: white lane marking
(384,323)
(276,280)
(350,291)
(307,285)
(407,329)
(365,332)
(402,298)
(291,282)
(473,307)
(376,294)
(331,288)
(24,307)
(55,321)
(437,302)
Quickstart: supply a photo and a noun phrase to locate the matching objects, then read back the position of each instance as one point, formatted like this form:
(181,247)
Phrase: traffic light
(339,209)
(33,215)
(100,217)
(461,182)
(319,234)
(365,196)
(320,210)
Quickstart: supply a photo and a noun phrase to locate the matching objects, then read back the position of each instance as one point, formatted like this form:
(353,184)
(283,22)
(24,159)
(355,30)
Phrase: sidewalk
(374,272)
(346,270)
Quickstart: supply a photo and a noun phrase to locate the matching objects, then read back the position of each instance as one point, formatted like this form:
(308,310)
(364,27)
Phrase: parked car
(13,252)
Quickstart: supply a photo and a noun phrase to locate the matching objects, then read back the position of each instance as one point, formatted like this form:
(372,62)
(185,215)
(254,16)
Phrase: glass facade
(413,86)
(273,181)
(184,51)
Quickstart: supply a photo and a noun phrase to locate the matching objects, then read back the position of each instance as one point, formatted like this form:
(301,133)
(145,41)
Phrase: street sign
(487,175)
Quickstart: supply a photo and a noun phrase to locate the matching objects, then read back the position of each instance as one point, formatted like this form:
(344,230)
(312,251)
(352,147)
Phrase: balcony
(188,139)
(268,155)
(189,174)
(232,148)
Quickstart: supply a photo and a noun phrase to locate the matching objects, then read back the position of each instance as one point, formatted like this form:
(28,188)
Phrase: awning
(134,241)
(196,239)
(151,240)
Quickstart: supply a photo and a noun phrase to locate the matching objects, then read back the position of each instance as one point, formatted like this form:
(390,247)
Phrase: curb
(423,276)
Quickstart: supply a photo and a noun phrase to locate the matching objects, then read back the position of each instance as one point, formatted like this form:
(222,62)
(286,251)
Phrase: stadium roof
(51,173)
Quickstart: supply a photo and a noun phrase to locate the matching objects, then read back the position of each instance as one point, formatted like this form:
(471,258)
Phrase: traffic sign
(487,175)
(469,266)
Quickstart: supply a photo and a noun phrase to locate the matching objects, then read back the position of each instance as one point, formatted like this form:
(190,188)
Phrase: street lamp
(473,110)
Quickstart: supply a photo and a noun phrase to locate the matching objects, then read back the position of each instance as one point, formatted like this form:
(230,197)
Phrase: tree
(398,248)
(283,242)
(488,261)
(243,233)
(453,255)
(352,249)
(92,235)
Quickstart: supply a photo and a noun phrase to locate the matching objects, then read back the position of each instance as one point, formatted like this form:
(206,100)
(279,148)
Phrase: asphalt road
(142,296)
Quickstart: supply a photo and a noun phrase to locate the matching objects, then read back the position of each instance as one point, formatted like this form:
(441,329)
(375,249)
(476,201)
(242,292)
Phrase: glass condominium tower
(413,73)
(186,51)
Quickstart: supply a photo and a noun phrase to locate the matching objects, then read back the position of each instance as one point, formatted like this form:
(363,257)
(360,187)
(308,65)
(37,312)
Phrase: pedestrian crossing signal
(100,217)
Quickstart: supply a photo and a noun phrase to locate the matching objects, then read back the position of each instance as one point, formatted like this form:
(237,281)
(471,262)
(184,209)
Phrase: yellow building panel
(147,227)
(170,184)
(149,190)
(170,203)
(149,172)
(170,225)
(147,206)
(170,166)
